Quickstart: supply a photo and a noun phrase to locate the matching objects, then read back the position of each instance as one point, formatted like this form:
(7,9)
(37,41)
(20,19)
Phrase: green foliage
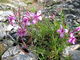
(48,44)
(4,1)
(33,9)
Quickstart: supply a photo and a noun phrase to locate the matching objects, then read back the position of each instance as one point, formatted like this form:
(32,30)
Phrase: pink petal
(71,34)
(34,22)
(58,31)
(61,27)
(62,35)
(72,40)
(78,28)
(40,18)
(69,40)
(28,23)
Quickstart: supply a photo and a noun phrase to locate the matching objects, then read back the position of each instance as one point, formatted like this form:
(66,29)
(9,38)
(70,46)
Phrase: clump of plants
(48,36)
(24,20)
(51,36)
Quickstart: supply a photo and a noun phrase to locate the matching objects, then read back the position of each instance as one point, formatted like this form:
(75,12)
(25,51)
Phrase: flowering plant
(72,34)
(27,19)
(48,43)
(23,20)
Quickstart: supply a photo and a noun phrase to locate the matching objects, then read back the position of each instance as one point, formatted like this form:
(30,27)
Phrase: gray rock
(29,56)
(8,42)
(4,14)
(10,27)
(70,9)
(2,30)
(72,51)
(75,55)
(18,3)
(78,20)
(50,2)
(7,6)
(70,20)
(11,6)
(11,52)
(2,18)
(68,49)
(46,2)
(14,53)
(7,13)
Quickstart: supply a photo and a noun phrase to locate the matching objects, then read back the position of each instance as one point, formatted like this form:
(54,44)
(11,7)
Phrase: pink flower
(72,38)
(71,34)
(77,29)
(37,16)
(11,19)
(33,18)
(34,21)
(62,31)
(21,32)
(29,14)
(26,21)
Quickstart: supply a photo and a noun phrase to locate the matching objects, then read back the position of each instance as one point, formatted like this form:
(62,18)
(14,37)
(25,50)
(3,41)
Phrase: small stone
(75,55)
(68,49)
(8,42)
(2,30)
(11,52)
(15,53)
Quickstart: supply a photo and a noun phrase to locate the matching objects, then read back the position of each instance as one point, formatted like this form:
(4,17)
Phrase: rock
(8,42)
(2,48)
(7,6)
(4,14)
(72,51)
(18,3)
(68,49)
(22,56)
(11,6)
(11,52)
(75,55)
(50,1)
(11,28)
(7,13)
(78,20)
(6,30)
(70,9)
(2,18)
(2,30)
(14,53)
(70,20)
